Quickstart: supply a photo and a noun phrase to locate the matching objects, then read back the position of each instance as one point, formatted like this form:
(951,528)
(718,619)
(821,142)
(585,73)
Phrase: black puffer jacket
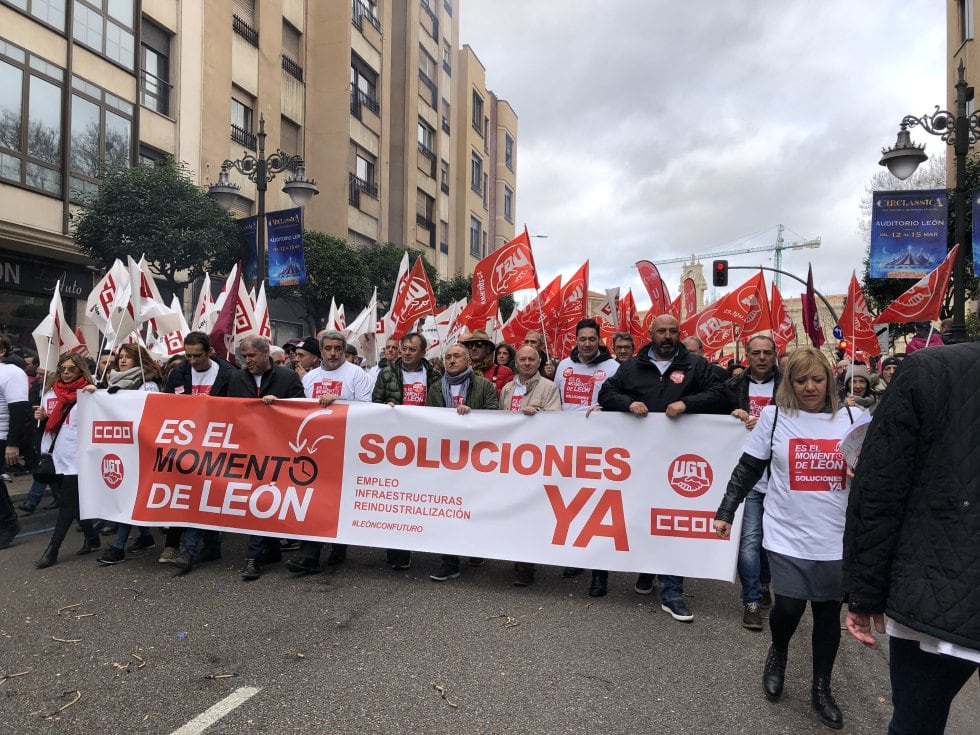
(912,538)
(689,378)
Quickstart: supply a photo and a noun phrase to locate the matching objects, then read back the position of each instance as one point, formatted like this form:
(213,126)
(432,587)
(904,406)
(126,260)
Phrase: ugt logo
(690,475)
(112,471)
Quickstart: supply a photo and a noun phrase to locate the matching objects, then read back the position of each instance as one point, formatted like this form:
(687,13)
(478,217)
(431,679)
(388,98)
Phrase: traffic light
(719,273)
(842,346)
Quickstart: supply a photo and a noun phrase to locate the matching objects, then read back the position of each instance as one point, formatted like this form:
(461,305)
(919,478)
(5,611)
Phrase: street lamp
(261,170)
(960,131)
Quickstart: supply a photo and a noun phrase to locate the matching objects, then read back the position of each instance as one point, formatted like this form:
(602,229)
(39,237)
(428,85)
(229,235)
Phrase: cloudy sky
(656,129)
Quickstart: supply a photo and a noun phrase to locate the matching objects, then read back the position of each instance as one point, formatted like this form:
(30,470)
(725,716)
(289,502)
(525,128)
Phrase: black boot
(9,531)
(774,674)
(823,702)
(48,558)
(599,584)
(93,543)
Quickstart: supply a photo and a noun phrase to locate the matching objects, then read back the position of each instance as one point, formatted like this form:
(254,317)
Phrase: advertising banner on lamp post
(607,491)
(908,232)
(287,263)
(976,236)
(249,229)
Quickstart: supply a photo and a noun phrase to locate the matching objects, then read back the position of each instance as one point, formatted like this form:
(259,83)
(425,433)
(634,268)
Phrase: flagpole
(544,333)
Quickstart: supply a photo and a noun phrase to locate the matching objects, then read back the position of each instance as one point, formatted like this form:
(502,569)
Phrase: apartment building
(374,94)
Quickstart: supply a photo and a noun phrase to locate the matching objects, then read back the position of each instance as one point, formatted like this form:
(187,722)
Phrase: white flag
(201,319)
(53,336)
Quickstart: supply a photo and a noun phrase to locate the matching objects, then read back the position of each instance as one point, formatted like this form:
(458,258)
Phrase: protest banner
(609,491)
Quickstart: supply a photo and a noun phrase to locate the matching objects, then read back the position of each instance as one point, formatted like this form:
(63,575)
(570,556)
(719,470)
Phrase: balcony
(428,84)
(243,137)
(362,12)
(360,186)
(422,221)
(244,30)
(292,68)
(359,99)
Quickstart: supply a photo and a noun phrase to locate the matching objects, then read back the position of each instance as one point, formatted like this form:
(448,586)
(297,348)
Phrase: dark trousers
(8,516)
(68,513)
(923,687)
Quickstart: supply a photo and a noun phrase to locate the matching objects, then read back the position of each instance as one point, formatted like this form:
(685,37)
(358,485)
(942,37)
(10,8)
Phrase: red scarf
(66,394)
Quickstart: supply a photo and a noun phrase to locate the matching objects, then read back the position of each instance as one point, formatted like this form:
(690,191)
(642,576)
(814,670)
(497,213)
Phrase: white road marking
(214,713)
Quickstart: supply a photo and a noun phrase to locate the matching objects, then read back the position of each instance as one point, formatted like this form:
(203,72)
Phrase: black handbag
(45,471)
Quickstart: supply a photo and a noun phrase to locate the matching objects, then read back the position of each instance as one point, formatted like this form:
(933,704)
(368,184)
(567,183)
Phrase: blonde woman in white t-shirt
(798,440)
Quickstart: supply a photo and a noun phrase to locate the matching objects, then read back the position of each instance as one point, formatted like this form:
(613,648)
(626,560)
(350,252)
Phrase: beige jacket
(542,394)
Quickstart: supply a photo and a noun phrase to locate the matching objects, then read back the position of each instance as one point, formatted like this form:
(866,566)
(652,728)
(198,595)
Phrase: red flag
(783,329)
(690,297)
(224,325)
(529,317)
(674,310)
(737,305)
(82,344)
(414,301)
(759,318)
(628,319)
(710,326)
(606,331)
(475,316)
(811,318)
(572,306)
(655,286)
(855,321)
(508,269)
(922,302)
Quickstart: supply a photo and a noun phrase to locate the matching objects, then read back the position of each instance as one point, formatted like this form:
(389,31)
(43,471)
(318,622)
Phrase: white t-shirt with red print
(414,387)
(348,382)
(808,487)
(579,384)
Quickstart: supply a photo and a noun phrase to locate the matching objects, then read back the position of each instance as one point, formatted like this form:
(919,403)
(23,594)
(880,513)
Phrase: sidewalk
(19,486)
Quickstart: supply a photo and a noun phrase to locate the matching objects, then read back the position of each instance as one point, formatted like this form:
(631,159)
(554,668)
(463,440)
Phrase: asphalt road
(362,649)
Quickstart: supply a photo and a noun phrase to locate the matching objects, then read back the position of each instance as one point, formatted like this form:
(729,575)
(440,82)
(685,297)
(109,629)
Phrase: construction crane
(778,249)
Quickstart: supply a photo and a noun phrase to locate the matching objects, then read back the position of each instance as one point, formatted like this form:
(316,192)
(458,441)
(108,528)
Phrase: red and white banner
(783,329)
(690,293)
(415,301)
(556,488)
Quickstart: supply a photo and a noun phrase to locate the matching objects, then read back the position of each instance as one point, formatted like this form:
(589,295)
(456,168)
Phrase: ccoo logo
(690,475)
(112,471)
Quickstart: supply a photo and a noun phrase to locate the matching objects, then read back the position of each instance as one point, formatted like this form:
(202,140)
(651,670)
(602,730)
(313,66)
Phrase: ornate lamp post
(960,131)
(261,170)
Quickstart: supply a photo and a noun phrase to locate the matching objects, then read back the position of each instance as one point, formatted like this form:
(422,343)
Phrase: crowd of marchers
(897,532)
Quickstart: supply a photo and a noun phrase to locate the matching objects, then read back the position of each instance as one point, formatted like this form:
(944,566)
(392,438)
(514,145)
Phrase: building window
(508,204)
(426,136)
(446,116)
(443,236)
(447,58)
(508,151)
(476,236)
(444,177)
(30,120)
(363,178)
(430,22)
(49,12)
(477,112)
(359,239)
(484,251)
(106,27)
(363,86)
(476,173)
(243,20)
(290,137)
(155,69)
(101,134)
(291,55)
(149,157)
(966,19)
(486,189)
(241,120)
(425,208)
(428,90)
(365,10)
(447,4)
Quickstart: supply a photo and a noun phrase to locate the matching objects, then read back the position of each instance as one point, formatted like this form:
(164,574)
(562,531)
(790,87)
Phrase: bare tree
(930,175)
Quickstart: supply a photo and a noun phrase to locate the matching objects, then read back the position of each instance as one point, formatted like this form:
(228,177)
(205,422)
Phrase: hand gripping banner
(608,491)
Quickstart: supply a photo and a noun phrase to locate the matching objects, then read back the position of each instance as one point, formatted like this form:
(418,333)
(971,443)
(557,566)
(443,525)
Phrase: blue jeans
(671,588)
(191,538)
(122,534)
(753,565)
(923,687)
